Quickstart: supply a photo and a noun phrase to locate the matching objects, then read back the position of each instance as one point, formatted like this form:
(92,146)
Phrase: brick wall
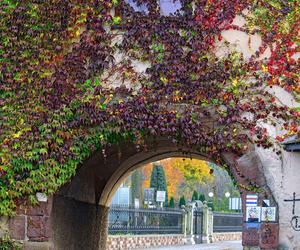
(227,236)
(143,241)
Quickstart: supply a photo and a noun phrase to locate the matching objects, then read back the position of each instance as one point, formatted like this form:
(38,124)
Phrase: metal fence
(126,220)
(228,222)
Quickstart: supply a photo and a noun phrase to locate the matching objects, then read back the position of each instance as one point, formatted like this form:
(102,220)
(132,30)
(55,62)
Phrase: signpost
(148,195)
(161,197)
(235,204)
(251,200)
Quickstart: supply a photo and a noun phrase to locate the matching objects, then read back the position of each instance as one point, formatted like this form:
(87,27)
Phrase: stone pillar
(210,222)
(205,231)
(79,225)
(189,223)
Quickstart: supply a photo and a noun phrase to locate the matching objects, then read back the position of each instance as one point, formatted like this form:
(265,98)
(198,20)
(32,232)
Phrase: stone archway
(80,208)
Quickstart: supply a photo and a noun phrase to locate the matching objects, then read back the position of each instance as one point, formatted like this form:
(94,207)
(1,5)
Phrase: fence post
(210,225)
(184,221)
(207,224)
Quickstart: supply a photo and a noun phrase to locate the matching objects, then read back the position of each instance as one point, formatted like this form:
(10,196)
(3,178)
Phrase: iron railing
(227,222)
(127,220)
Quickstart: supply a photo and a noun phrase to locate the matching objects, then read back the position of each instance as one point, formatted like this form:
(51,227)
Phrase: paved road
(224,245)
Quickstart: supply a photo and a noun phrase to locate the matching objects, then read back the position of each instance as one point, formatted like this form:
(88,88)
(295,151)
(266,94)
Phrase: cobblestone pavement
(224,245)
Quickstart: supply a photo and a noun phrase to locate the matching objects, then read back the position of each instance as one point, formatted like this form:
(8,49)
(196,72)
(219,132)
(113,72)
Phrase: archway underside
(82,205)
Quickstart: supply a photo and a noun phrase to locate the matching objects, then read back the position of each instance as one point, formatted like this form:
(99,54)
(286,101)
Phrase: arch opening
(86,198)
(156,198)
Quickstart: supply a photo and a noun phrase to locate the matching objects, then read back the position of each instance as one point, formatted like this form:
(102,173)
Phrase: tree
(182,201)
(158,180)
(211,205)
(195,196)
(172,202)
(136,185)
(201,197)
(196,173)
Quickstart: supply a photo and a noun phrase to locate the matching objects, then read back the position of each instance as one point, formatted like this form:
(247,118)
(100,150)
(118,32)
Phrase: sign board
(136,203)
(251,200)
(121,197)
(41,197)
(235,204)
(161,196)
(149,194)
(268,213)
(253,214)
(266,203)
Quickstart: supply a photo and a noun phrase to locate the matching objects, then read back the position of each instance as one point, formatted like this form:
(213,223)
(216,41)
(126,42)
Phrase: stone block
(38,228)
(37,246)
(17,227)
(43,208)
(269,236)
(250,237)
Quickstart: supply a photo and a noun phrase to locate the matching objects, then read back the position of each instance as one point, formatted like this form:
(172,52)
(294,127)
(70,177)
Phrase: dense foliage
(58,61)
(183,175)
(6,243)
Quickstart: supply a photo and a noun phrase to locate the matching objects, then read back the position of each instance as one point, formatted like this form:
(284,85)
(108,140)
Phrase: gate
(197,225)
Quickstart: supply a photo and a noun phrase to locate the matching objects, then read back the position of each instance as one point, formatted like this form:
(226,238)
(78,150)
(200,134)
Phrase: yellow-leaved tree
(183,175)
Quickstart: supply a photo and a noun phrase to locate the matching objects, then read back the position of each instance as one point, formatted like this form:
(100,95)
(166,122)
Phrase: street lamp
(227,194)
(210,195)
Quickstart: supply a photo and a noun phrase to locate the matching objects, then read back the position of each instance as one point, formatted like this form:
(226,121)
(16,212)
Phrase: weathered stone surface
(38,228)
(37,246)
(142,241)
(79,225)
(17,226)
(269,236)
(44,208)
(250,237)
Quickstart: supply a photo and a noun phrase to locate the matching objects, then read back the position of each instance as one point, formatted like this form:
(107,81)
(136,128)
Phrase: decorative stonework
(143,241)
(269,236)
(226,236)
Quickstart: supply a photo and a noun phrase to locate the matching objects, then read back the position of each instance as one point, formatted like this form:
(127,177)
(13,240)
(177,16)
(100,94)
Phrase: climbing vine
(66,93)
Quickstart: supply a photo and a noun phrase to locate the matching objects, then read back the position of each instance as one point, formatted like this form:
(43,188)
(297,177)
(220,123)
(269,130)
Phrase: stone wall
(31,226)
(143,241)
(226,236)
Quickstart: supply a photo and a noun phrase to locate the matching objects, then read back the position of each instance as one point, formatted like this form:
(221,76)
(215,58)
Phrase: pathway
(224,245)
